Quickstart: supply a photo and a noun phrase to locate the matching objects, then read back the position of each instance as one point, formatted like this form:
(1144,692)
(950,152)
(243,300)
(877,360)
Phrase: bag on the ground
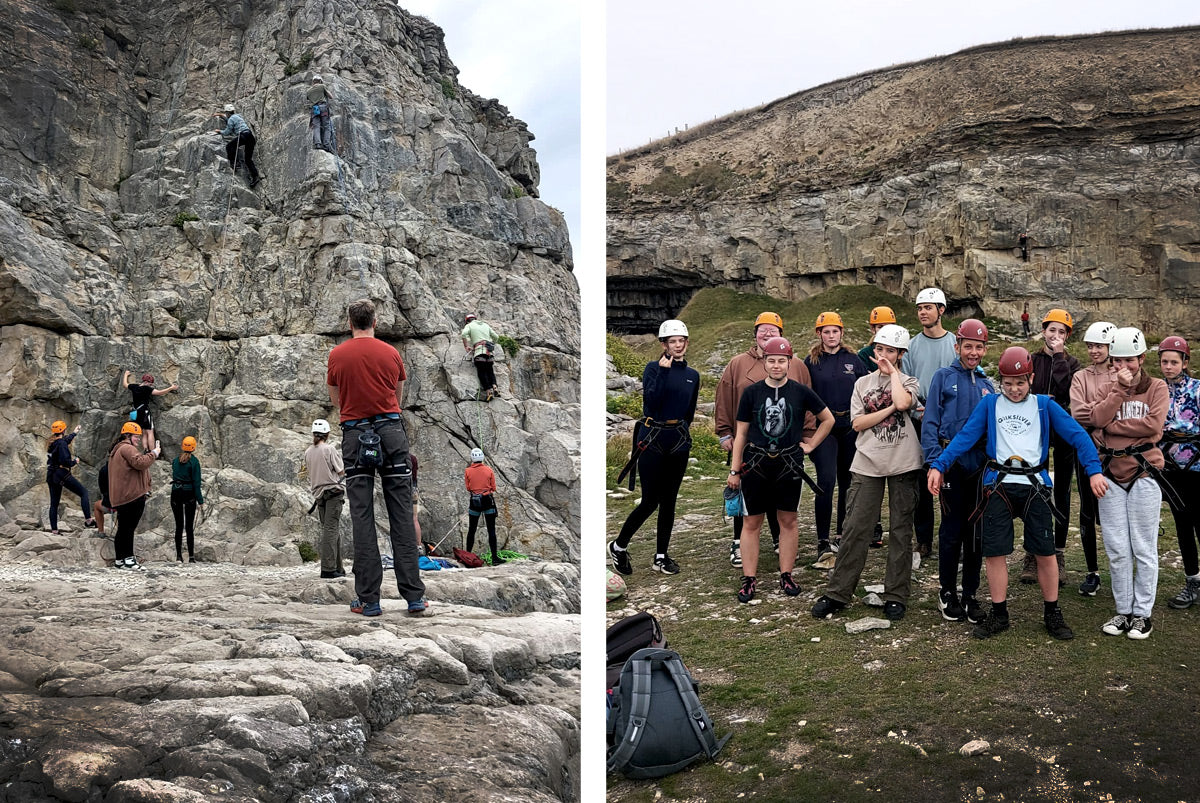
(628,636)
(656,725)
(468,559)
(428,564)
(614,586)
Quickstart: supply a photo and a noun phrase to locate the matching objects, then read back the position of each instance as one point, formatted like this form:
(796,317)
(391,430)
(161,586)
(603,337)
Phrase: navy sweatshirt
(670,393)
(833,380)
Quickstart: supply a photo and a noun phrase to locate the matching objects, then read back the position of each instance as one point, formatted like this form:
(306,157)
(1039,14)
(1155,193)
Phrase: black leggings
(832,459)
(487,373)
(183,505)
(1089,514)
(72,485)
(488,504)
(1187,523)
(1064,470)
(661,473)
(128,516)
(247,143)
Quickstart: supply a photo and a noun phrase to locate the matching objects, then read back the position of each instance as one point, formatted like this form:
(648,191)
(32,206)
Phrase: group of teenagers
(919,417)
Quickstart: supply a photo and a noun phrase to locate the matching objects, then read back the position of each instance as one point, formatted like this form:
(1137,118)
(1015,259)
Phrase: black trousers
(246,142)
(128,516)
(183,506)
(661,473)
(487,373)
(487,510)
(1187,522)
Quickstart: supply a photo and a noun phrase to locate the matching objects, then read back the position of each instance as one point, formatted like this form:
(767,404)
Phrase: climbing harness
(1145,468)
(793,460)
(652,430)
(1018,467)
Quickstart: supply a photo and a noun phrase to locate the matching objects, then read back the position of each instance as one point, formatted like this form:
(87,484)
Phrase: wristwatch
(734,473)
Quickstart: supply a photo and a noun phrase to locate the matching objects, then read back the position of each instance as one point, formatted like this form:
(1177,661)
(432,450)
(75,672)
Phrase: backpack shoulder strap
(701,724)
(638,671)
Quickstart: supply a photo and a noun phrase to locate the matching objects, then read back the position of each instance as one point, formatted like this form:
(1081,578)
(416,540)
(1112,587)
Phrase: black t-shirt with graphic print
(776,415)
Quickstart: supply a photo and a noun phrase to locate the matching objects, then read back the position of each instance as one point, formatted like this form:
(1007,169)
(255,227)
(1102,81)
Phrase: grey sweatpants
(1129,522)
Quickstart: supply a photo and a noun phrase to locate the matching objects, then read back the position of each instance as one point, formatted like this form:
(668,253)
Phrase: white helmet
(316,78)
(320,427)
(931,295)
(477,455)
(229,108)
(1100,332)
(893,335)
(672,328)
(1128,341)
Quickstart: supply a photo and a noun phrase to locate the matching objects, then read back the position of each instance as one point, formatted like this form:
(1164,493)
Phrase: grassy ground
(817,714)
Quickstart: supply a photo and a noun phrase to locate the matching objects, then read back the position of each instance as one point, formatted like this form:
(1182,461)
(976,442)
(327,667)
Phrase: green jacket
(187,476)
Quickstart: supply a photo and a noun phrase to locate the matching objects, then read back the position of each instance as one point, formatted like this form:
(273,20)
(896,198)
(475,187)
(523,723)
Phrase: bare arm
(824,426)
(125,379)
(868,420)
(333,397)
(739,443)
(400,394)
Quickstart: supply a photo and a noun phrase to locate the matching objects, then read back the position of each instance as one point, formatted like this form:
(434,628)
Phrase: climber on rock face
(142,393)
(239,136)
(480,341)
(320,122)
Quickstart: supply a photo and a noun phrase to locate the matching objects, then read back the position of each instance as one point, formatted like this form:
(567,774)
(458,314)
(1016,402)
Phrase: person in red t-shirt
(366,382)
(481,484)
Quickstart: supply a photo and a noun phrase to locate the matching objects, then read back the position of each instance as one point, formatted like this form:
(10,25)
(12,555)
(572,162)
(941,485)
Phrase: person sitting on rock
(59,462)
(481,484)
(129,486)
(142,393)
(239,137)
(480,342)
(320,122)
(185,497)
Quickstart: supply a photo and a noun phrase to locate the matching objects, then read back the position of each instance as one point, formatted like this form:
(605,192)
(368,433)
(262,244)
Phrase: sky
(526,54)
(672,63)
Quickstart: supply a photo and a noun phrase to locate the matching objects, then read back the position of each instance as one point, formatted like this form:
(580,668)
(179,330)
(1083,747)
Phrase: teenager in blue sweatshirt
(954,393)
(661,442)
(1018,426)
(834,370)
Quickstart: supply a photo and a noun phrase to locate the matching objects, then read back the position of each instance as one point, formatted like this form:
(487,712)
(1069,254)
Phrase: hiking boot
(749,586)
(1117,625)
(951,610)
(620,558)
(372,609)
(990,625)
(1091,584)
(894,611)
(417,607)
(1188,597)
(1140,627)
(665,565)
(1061,560)
(356,606)
(877,541)
(827,608)
(324,575)
(735,553)
(497,560)
(973,609)
(1056,625)
(1029,569)
(788,584)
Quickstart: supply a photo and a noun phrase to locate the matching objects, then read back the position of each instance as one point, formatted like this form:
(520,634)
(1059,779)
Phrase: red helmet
(1015,361)
(147,379)
(1175,343)
(972,329)
(778,345)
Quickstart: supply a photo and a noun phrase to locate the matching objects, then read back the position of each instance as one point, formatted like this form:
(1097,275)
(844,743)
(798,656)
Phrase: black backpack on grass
(657,725)
(627,637)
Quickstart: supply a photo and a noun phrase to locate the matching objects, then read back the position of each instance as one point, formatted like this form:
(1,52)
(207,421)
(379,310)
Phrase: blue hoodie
(953,396)
(1053,419)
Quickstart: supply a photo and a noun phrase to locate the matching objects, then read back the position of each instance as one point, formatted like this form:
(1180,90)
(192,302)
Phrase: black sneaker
(951,610)
(1056,625)
(893,610)
(620,558)
(877,540)
(665,565)
(735,553)
(497,560)
(824,548)
(826,608)
(1116,626)
(974,610)
(788,585)
(1090,585)
(990,625)
(749,586)
(1140,627)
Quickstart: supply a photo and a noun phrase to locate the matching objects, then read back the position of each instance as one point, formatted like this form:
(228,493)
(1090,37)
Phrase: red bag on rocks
(467,559)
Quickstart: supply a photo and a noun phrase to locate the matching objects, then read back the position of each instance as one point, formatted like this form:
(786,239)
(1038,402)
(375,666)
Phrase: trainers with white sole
(1140,627)
(1116,626)
(735,553)
(665,565)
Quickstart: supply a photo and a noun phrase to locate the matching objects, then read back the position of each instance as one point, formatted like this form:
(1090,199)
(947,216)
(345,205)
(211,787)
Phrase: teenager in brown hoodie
(128,487)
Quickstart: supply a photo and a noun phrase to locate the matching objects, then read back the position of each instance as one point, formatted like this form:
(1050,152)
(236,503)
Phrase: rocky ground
(217,682)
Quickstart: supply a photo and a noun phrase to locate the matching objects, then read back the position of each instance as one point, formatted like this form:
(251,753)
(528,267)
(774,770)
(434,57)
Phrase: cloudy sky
(677,62)
(526,54)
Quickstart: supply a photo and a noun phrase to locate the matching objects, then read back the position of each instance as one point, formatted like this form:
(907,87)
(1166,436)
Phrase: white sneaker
(735,553)
(1140,627)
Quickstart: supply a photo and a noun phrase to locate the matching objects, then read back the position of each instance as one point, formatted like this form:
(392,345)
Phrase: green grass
(1094,719)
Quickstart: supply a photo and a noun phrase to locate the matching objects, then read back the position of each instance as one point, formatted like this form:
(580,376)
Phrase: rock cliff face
(927,174)
(126,242)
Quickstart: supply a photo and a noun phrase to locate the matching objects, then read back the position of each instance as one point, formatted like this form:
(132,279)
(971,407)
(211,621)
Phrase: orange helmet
(58,427)
(1059,316)
(829,319)
(1015,361)
(881,315)
(130,428)
(189,444)
(769,317)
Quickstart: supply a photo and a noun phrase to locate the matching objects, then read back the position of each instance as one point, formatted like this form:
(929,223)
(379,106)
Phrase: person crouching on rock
(59,462)
(662,441)
(767,461)
(327,483)
(481,484)
(128,487)
(185,497)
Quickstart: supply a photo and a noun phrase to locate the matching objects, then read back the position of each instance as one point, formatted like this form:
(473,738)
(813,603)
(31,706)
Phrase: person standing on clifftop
(743,371)
(239,136)
(365,377)
(142,393)
(479,341)
(320,122)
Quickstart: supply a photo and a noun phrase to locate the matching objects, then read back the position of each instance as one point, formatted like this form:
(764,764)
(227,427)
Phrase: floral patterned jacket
(1183,418)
